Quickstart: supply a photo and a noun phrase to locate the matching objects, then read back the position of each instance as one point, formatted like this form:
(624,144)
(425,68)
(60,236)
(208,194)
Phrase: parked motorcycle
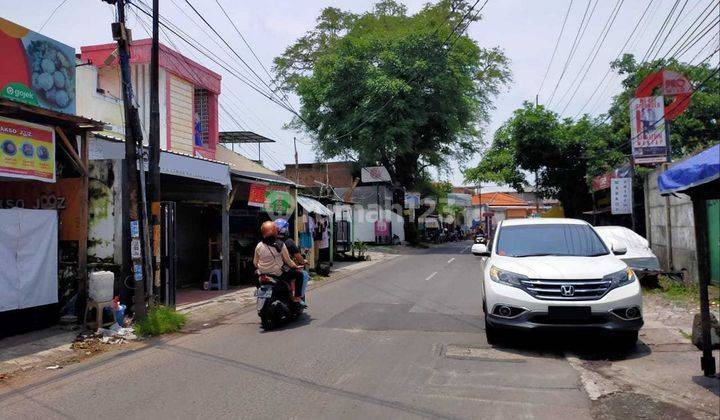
(274,302)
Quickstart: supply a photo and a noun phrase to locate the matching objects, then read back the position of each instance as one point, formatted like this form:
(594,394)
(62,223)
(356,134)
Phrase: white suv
(557,274)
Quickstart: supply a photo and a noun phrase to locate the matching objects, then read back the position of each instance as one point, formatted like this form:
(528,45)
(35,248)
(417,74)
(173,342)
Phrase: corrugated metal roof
(313,206)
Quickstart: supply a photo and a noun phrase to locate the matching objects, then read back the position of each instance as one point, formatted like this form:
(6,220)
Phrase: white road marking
(431,276)
(465,249)
(451,260)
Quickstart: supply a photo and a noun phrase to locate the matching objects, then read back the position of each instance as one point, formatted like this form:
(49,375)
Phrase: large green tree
(405,91)
(560,151)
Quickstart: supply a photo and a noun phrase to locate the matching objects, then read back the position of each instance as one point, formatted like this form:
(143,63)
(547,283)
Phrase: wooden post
(707,361)
(225,240)
(84,225)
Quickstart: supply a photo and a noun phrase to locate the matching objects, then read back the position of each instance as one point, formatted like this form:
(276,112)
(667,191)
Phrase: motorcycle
(274,302)
(480,239)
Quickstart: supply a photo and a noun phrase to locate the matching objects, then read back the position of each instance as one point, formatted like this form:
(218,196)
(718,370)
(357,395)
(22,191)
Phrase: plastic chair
(215,279)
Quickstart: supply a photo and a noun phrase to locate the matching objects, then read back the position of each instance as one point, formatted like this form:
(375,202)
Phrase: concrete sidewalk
(52,347)
(664,368)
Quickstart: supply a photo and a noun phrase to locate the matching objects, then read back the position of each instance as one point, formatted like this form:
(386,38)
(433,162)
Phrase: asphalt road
(402,339)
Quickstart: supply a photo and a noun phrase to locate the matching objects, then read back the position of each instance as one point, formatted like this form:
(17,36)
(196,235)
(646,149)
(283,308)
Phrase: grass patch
(316,277)
(685,334)
(676,290)
(160,320)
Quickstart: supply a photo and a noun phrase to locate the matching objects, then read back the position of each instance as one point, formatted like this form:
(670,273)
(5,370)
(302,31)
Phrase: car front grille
(545,289)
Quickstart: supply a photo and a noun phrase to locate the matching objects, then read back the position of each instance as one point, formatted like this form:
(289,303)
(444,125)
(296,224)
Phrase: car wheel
(627,340)
(493,334)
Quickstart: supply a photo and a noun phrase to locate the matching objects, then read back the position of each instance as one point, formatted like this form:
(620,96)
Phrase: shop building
(44,182)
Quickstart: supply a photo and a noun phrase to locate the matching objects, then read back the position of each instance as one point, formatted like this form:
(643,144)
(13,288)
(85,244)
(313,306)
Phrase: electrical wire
(557,43)
(684,34)
(622,49)
(573,47)
(52,14)
(672,26)
(596,48)
(660,32)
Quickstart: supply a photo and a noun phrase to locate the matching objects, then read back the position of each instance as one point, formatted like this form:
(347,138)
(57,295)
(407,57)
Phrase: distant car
(639,256)
(540,274)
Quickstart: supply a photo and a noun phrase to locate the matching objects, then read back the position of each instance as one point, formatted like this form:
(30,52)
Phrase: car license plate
(569,312)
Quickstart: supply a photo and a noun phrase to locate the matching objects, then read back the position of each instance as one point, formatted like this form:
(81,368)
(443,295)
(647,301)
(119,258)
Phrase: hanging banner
(647,130)
(621,195)
(257,195)
(64,196)
(27,150)
(412,200)
(36,70)
(279,203)
(374,174)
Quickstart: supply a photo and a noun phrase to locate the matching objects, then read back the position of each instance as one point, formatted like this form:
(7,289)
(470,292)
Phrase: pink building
(188,94)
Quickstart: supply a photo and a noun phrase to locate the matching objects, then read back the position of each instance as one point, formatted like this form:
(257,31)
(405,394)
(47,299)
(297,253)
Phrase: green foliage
(566,154)
(359,247)
(382,86)
(535,139)
(160,320)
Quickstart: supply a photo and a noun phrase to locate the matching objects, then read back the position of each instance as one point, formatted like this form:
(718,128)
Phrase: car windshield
(550,239)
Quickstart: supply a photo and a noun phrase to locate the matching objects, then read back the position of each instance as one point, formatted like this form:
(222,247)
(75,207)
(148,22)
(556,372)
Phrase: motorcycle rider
(271,255)
(282,226)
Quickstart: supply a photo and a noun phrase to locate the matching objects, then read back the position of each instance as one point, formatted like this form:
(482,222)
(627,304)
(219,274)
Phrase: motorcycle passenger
(295,254)
(271,255)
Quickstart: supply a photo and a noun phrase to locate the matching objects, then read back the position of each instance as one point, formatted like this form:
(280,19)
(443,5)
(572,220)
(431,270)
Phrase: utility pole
(154,143)
(133,137)
(296,230)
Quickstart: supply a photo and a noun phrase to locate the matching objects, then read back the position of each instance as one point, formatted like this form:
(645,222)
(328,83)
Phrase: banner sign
(63,196)
(279,203)
(375,174)
(647,130)
(36,70)
(602,182)
(621,196)
(382,228)
(27,150)
(257,195)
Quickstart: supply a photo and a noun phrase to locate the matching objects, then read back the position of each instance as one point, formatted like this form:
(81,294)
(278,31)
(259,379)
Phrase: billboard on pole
(647,130)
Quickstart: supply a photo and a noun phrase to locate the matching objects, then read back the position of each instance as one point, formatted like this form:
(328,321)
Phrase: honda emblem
(567,290)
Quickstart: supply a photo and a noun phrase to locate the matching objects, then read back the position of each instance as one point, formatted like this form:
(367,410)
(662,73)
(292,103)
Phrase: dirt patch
(629,405)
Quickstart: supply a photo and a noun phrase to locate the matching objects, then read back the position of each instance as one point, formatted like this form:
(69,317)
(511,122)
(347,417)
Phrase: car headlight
(506,277)
(621,278)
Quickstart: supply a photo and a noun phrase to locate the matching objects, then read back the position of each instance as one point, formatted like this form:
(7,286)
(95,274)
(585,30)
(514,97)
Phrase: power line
(672,26)
(680,38)
(659,33)
(235,52)
(578,37)
(52,14)
(596,48)
(267,72)
(218,61)
(557,43)
(597,87)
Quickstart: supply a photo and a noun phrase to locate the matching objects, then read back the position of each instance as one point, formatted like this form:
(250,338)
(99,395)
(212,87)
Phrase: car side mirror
(619,249)
(480,250)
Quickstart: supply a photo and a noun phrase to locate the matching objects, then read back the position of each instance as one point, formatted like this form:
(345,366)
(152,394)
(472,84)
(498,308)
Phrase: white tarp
(314,206)
(28,257)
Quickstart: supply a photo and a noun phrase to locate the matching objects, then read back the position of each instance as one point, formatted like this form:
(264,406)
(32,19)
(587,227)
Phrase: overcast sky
(525,29)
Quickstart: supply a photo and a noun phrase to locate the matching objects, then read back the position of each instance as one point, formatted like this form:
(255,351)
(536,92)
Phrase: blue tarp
(693,171)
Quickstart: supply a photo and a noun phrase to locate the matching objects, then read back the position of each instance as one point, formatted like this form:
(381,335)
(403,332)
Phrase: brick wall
(339,174)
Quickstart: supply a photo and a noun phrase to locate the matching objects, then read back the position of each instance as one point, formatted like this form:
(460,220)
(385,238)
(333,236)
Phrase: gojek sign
(35,69)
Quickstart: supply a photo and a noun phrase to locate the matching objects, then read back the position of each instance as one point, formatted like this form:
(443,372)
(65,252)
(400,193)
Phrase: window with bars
(202,118)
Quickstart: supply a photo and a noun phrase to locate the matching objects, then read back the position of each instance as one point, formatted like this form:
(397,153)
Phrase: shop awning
(313,206)
(171,163)
(692,172)
(259,176)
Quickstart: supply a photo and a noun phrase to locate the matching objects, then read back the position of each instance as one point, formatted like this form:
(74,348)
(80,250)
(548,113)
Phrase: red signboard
(673,84)
(257,195)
